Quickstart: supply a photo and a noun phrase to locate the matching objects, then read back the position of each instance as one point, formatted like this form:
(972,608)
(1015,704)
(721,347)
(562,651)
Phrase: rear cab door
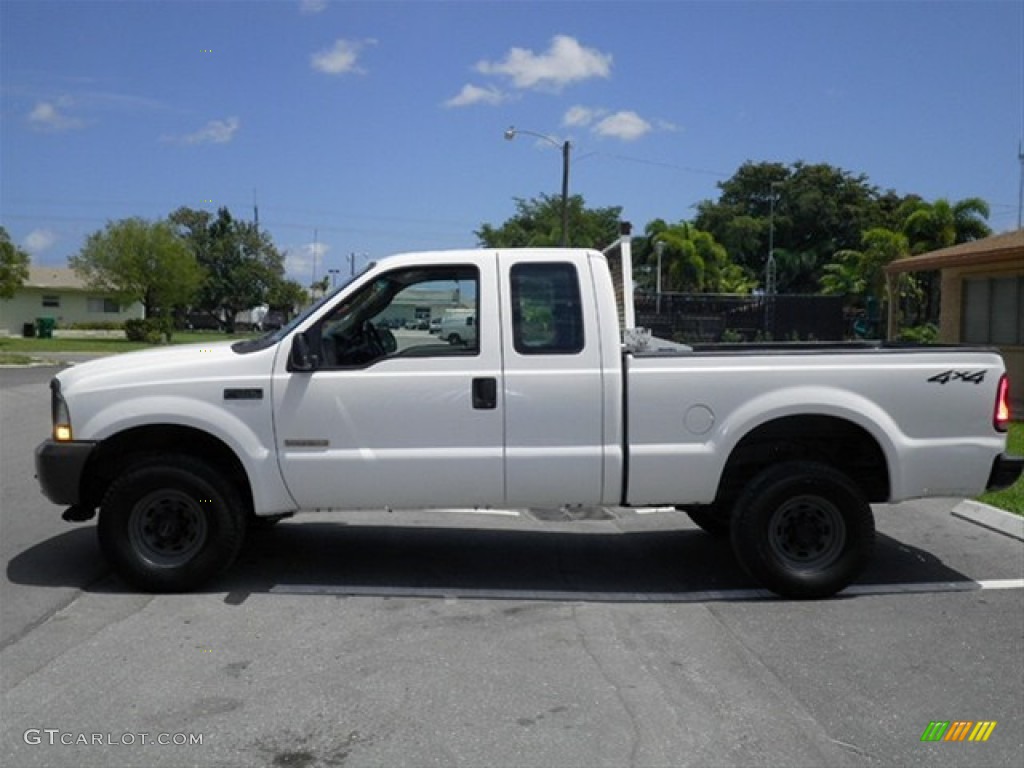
(560,390)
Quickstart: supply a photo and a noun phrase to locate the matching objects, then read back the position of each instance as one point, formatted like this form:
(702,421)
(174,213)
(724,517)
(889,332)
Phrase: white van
(458,326)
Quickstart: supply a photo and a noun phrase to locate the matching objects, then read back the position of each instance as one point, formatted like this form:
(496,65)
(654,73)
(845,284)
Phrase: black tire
(454,339)
(170,524)
(711,519)
(803,530)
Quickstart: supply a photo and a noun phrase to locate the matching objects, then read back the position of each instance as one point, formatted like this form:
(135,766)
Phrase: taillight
(1001,418)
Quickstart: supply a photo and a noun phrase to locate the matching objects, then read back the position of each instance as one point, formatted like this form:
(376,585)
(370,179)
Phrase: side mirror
(300,358)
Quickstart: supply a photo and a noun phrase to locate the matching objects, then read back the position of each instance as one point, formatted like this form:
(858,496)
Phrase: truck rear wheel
(803,529)
(170,524)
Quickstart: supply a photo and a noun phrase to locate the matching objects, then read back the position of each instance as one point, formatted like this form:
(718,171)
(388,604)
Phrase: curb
(989,517)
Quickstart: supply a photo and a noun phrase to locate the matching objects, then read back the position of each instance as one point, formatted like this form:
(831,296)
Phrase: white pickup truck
(783,447)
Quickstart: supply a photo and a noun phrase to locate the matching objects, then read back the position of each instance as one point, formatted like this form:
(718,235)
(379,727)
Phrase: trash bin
(28,330)
(45,326)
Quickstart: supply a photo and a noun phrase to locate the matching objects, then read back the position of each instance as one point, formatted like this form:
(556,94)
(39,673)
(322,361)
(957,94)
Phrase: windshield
(270,339)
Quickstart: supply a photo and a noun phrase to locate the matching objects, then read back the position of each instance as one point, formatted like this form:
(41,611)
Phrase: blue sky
(379,124)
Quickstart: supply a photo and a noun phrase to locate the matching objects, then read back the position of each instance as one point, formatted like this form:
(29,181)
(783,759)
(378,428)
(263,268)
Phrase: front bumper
(59,468)
(1006,470)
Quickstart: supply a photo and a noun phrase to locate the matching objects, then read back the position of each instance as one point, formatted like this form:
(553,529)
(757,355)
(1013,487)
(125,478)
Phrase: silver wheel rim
(168,528)
(807,533)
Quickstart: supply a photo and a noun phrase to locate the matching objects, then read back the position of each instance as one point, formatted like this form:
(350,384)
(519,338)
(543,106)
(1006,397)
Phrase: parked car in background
(458,326)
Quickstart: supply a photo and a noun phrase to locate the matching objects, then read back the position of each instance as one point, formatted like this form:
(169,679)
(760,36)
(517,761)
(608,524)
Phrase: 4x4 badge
(970,377)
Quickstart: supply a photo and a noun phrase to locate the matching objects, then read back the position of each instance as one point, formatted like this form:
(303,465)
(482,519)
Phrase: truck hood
(165,364)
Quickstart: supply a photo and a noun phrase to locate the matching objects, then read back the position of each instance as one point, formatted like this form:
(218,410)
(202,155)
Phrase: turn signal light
(62,433)
(1001,419)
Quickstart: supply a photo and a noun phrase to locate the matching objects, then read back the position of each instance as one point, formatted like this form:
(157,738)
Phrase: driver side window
(412,312)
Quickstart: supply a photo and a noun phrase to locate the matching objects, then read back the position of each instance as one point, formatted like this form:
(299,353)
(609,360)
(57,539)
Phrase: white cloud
(51,117)
(625,125)
(214,132)
(311,7)
(341,58)
(565,62)
(581,116)
(38,240)
(299,262)
(475,94)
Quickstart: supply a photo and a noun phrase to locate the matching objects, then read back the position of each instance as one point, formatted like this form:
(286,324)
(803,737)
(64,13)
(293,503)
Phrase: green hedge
(152,330)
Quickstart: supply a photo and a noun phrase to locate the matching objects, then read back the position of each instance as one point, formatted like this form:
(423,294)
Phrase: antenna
(316,247)
(1020,191)
(255,210)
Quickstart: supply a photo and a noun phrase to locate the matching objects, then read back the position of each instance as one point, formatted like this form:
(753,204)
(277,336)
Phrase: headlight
(60,414)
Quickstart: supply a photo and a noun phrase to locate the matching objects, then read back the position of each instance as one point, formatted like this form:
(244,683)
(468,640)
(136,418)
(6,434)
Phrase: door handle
(485,394)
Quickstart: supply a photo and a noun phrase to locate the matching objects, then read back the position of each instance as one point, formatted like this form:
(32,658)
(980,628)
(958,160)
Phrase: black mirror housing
(300,359)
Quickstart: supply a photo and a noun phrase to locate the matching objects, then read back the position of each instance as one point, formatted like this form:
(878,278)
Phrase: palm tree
(931,226)
(694,261)
(860,275)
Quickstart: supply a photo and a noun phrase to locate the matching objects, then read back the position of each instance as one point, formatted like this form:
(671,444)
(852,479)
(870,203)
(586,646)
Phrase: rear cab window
(547,312)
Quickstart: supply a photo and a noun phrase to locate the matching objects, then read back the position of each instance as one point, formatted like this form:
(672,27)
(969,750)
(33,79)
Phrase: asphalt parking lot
(540,638)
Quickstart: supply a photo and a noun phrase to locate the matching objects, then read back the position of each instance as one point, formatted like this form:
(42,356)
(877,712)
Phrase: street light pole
(770,268)
(512,132)
(659,248)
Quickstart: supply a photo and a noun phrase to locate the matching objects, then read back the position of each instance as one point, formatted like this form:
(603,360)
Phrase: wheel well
(116,453)
(841,444)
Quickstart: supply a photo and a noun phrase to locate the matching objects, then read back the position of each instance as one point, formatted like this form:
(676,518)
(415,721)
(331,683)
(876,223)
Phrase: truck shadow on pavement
(297,557)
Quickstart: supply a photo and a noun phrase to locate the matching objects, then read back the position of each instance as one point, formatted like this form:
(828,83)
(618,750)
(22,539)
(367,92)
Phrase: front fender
(245,427)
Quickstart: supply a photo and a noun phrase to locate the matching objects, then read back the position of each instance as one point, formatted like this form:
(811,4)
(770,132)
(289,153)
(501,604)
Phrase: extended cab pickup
(783,447)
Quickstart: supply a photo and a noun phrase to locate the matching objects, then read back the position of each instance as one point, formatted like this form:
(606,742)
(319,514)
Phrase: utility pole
(315,249)
(565,193)
(1020,191)
(566,147)
(770,287)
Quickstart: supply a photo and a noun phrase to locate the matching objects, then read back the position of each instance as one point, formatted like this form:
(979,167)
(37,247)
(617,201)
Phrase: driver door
(395,416)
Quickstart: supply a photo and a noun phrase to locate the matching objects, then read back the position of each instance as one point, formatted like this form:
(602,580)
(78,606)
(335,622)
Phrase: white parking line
(700,596)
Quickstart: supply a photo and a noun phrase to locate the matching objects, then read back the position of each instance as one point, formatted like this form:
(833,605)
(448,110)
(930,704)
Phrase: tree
(242,264)
(13,266)
(538,223)
(858,274)
(287,296)
(818,210)
(691,259)
(143,261)
(931,226)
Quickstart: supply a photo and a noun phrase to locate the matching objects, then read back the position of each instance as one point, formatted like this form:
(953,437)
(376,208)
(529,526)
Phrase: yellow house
(58,292)
(982,298)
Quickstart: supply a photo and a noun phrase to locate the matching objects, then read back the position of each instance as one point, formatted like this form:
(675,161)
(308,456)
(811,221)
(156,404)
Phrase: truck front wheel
(170,524)
(803,529)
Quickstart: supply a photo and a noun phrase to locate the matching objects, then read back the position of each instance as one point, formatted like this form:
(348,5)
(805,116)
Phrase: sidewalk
(990,517)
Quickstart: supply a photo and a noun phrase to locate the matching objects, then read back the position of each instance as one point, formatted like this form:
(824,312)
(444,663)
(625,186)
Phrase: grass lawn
(14,358)
(1012,499)
(45,348)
